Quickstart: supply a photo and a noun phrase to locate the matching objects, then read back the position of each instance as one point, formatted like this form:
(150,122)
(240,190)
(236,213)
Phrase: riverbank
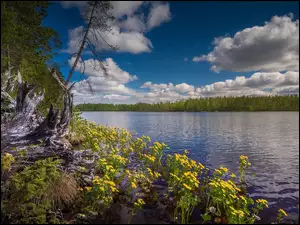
(125,175)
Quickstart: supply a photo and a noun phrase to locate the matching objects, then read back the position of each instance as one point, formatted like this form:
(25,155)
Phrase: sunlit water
(269,139)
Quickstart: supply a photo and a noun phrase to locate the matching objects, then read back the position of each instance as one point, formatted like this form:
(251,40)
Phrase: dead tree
(98,17)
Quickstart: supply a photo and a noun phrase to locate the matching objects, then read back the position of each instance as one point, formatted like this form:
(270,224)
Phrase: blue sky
(179,50)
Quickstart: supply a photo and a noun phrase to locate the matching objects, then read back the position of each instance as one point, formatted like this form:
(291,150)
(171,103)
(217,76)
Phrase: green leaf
(206,217)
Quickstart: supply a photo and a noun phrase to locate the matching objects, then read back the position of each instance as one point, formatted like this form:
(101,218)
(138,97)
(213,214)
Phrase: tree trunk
(27,127)
(42,137)
(82,45)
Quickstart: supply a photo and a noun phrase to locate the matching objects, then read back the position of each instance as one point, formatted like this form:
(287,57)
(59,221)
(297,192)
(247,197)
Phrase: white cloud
(131,41)
(253,85)
(159,13)
(287,90)
(75,38)
(127,31)
(112,88)
(184,88)
(122,8)
(133,23)
(112,84)
(116,97)
(272,47)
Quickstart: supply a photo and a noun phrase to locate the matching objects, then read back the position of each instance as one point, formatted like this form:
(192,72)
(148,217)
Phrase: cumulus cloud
(184,88)
(133,23)
(253,85)
(112,85)
(112,89)
(125,8)
(131,41)
(159,13)
(116,97)
(272,47)
(128,29)
(256,85)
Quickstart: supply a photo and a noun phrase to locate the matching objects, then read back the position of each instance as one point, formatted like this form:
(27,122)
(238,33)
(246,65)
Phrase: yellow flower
(88,188)
(186,152)
(233,175)
(262,201)
(200,166)
(282,212)
(243,198)
(233,196)
(113,189)
(218,171)
(237,189)
(187,186)
(141,201)
(243,157)
(133,185)
(240,213)
(176,177)
(224,169)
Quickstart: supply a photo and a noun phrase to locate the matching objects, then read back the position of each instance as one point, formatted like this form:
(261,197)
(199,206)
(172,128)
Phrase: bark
(42,137)
(82,44)
(27,127)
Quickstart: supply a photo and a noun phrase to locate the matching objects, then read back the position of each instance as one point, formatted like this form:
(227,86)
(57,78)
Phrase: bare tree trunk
(82,45)
(27,126)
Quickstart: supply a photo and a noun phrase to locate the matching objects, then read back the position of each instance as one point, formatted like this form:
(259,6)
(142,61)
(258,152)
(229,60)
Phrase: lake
(269,139)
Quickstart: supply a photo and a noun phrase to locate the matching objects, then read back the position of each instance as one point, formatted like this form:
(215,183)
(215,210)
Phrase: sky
(168,51)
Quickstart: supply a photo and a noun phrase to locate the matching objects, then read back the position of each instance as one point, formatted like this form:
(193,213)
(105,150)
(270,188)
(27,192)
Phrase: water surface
(269,139)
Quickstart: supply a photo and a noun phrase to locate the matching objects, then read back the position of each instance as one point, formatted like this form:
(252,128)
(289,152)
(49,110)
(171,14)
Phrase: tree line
(244,103)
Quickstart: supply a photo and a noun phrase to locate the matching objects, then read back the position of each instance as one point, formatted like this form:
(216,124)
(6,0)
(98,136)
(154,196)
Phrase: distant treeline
(244,103)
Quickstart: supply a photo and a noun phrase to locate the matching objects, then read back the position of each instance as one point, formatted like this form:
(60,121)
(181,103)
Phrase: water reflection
(270,139)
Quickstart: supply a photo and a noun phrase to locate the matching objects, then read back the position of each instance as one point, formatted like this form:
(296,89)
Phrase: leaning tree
(25,126)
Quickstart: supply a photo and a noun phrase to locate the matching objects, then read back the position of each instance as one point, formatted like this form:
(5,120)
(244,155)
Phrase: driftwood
(42,137)
(26,127)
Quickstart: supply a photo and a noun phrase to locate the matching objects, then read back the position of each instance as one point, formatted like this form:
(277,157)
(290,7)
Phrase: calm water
(269,139)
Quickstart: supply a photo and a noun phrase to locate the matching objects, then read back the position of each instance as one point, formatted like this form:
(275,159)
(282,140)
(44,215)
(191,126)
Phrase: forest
(244,103)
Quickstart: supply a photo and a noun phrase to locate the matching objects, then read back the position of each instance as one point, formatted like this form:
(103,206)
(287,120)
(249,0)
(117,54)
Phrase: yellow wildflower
(233,196)
(243,198)
(237,189)
(243,157)
(200,166)
(224,169)
(88,188)
(133,185)
(282,212)
(262,201)
(187,186)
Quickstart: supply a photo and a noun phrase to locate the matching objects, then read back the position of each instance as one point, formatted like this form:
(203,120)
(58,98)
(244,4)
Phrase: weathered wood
(27,127)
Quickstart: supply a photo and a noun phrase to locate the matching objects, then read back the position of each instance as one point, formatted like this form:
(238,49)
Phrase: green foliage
(244,103)
(22,33)
(38,74)
(6,161)
(28,200)
(27,46)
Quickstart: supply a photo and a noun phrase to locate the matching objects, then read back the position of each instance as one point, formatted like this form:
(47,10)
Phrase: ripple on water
(269,139)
